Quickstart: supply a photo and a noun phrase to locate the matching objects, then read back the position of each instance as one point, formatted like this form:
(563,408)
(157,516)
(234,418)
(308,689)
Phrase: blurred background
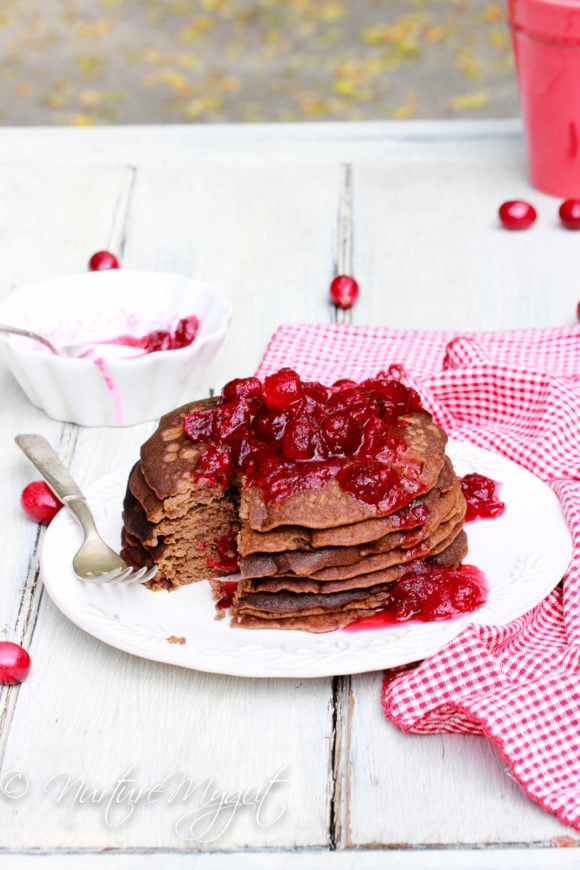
(83,62)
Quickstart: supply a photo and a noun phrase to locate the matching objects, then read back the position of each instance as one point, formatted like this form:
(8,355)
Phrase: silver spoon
(27,333)
(70,351)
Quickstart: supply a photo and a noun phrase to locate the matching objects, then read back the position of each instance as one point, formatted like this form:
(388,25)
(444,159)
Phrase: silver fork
(95,561)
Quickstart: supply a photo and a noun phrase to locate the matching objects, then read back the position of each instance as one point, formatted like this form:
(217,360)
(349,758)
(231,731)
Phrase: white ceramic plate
(523,554)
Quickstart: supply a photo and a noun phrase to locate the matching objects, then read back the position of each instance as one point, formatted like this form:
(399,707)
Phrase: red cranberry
(281,389)
(230,416)
(242,388)
(516,214)
(14,663)
(199,425)
(344,291)
(316,394)
(242,445)
(103,260)
(376,440)
(39,502)
(371,481)
(299,440)
(159,339)
(578,311)
(394,398)
(569,213)
(355,402)
(342,433)
(270,425)
(185,331)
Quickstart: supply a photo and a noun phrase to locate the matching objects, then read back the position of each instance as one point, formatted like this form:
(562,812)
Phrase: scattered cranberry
(578,310)
(103,260)
(569,213)
(516,214)
(39,502)
(14,663)
(344,291)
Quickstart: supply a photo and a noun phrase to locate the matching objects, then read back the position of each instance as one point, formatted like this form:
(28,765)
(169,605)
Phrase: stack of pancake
(320,576)
(318,558)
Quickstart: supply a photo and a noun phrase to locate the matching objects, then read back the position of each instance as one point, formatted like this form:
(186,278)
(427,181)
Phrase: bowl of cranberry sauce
(147,339)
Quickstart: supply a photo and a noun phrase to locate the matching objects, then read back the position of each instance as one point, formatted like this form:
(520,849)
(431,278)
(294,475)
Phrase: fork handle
(58,477)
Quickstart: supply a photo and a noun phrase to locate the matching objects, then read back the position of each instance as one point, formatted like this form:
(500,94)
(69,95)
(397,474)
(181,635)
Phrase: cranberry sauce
(481,495)
(286,435)
(183,335)
(429,593)
(227,590)
(227,559)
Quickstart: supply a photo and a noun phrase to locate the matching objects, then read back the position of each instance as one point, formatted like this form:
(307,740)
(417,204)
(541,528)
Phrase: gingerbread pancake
(420,459)
(304,604)
(420,512)
(337,562)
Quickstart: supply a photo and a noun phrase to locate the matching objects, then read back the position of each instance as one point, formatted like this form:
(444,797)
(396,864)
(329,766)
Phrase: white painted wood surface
(268,213)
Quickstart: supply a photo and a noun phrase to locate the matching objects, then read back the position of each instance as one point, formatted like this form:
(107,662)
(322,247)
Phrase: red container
(546,41)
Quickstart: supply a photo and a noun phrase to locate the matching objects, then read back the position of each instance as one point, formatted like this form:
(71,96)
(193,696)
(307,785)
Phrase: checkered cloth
(518,394)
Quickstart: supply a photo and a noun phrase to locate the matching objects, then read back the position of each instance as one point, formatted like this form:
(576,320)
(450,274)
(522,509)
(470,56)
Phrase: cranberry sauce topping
(287,435)
(481,495)
(429,593)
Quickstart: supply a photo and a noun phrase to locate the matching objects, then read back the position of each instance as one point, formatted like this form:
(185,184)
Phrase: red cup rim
(547,20)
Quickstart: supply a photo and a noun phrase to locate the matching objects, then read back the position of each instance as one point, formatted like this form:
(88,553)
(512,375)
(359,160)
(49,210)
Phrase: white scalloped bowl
(95,306)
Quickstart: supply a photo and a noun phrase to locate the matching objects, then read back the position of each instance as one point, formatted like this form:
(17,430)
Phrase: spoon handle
(27,333)
(46,460)
(58,477)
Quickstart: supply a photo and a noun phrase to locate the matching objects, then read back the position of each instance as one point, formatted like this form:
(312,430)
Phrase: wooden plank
(430,252)
(436,790)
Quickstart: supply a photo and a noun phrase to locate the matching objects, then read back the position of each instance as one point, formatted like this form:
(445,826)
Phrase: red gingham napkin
(518,394)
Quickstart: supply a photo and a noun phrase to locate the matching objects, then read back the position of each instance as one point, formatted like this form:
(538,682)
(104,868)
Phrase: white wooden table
(268,213)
